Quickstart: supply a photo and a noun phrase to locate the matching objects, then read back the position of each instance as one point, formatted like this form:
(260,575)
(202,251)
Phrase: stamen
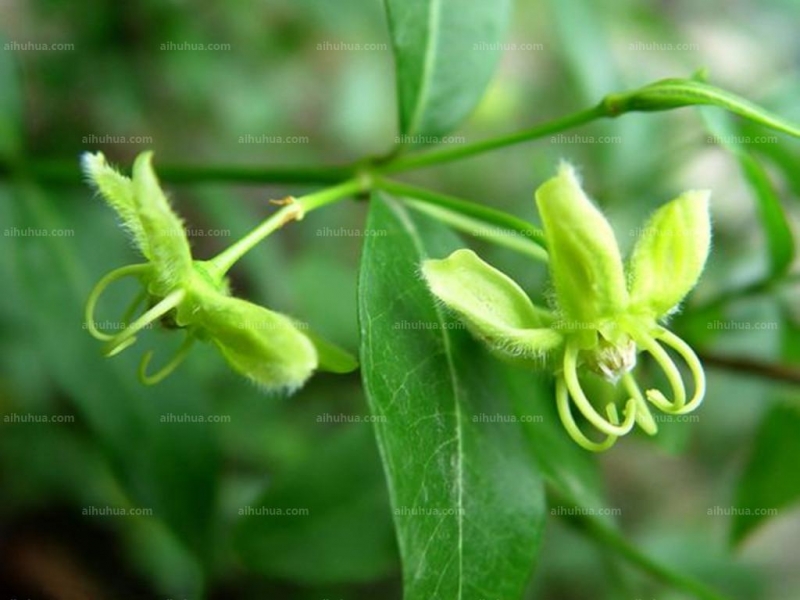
(97,291)
(126,337)
(643,416)
(583,404)
(167,369)
(670,370)
(564,412)
(694,364)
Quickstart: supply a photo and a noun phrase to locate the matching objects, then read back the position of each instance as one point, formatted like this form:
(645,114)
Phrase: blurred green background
(151,492)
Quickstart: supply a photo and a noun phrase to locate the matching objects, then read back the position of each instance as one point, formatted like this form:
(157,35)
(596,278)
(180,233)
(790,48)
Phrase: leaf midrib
(413,234)
(431,46)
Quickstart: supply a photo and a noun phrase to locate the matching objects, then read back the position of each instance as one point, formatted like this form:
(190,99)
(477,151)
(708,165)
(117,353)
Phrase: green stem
(437,157)
(65,172)
(294,210)
(476,219)
(749,366)
(481,229)
(609,538)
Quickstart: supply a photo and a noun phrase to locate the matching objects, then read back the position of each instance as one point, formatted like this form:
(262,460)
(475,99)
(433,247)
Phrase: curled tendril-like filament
(643,416)
(127,316)
(696,368)
(100,287)
(575,390)
(666,363)
(167,369)
(564,412)
(127,337)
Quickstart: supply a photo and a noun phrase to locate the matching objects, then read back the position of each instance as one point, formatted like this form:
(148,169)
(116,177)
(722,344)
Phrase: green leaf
(581,29)
(783,156)
(675,93)
(445,53)
(467,496)
(769,482)
(780,242)
(333,496)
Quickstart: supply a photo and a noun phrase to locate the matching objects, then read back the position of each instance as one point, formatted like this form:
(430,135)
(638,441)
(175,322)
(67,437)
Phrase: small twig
(774,371)
(609,538)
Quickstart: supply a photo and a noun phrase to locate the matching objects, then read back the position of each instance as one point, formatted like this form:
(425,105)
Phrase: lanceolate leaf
(583,43)
(445,52)
(770,478)
(675,93)
(466,495)
(770,483)
(780,243)
(783,156)
(328,498)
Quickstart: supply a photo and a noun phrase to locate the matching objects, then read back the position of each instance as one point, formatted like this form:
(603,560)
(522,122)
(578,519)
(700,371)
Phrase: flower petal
(117,191)
(491,304)
(164,230)
(670,255)
(262,345)
(585,262)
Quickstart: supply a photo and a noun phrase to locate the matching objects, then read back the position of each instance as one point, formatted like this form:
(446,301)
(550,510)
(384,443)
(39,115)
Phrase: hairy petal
(164,230)
(117,191)
(670,255)
(585,262)
(491,304)
(262,345)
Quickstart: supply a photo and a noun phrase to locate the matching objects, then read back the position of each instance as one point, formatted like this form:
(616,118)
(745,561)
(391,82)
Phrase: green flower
(193,295)
(603,314)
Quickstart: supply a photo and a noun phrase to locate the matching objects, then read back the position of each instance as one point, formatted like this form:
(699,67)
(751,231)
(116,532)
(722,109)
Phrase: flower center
(612,360)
